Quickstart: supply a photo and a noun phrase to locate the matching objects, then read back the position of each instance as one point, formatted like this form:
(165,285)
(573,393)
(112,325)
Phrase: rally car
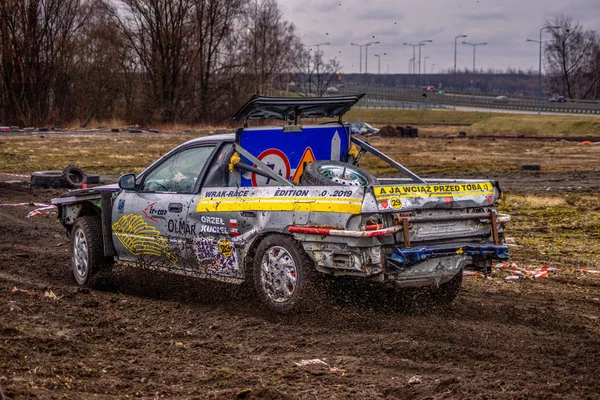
(276,206)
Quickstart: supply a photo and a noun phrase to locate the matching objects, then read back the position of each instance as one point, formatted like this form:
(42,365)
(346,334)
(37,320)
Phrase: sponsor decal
(435,190)
(121,205)
(220,230)
(396,203)
(154,214)
(181,227)
(212,225)
(225,248)
(215,256)
(140,238)
(211,220)
(226,193)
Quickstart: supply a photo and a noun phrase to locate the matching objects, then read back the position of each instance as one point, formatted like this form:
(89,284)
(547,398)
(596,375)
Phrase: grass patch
(436,156)
(537,125)
(124,152)
(564,230)
(483,122)
(403,117)
(95,153)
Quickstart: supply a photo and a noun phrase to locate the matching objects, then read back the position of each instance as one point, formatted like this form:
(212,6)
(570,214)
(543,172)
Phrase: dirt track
(155,336)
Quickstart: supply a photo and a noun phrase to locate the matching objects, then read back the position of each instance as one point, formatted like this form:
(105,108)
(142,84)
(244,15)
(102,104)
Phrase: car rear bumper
(403,258)
(436,265)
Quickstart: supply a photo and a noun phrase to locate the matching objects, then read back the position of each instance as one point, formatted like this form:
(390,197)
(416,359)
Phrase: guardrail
(409,98)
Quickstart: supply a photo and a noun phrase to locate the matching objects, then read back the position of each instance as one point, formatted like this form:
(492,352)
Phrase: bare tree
(160,33)
(215,62)
(37,45)
(271,43)
(101,77)
(311,75)
(570,57)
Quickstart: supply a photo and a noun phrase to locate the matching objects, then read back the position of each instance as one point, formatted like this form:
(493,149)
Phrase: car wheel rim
(343,175)
(80,255)
(278,274)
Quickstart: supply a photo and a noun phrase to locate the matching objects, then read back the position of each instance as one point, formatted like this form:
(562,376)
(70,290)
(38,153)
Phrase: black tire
(93,179)
(447,292)
(277,295)
(531,167)
(315,174)
(74,176)
(47,179)
(87,251)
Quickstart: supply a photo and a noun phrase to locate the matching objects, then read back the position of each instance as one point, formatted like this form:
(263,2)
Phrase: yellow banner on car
(435,190)
(331,205)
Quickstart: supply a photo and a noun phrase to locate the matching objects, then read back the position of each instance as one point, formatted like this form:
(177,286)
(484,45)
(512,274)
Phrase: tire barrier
(73,176)
(70,177)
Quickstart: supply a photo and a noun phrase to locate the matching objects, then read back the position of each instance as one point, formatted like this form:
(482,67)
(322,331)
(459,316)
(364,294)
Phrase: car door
(218,232)
(150,225)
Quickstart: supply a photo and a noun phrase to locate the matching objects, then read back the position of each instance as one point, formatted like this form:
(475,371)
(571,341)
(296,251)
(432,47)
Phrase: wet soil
(155,336)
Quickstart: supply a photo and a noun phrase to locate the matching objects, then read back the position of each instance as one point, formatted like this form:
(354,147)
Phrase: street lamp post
(474,46)
(422,43)
(425,65)
(367,53)
(455,88)
(414,57)
(378,64)
(366,46)
(432,65)
(360,51)
(540,66)
(411,63)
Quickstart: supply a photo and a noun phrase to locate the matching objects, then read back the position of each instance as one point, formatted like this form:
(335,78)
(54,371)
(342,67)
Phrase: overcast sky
(504,24)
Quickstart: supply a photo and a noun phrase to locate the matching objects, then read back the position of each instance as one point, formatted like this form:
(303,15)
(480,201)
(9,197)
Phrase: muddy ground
(152,336)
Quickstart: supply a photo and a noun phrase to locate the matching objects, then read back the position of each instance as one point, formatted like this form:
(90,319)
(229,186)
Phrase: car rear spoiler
(290,108)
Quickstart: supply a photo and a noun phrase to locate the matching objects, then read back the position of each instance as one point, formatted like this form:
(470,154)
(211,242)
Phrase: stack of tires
(407,131)
(70,177)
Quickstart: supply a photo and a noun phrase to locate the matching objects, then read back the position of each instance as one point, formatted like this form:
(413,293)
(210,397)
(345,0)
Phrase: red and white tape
(43,208)
(24,204)
(17,175)
(517,272)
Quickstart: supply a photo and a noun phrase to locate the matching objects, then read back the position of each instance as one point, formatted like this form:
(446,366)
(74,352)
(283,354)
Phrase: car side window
(179,172)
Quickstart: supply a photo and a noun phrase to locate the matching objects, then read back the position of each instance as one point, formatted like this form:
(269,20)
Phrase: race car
(278,206)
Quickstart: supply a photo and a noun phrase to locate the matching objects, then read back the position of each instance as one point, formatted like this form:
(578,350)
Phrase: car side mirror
(127,182)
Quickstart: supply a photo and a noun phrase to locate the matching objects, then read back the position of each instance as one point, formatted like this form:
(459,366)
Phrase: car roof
(221,137)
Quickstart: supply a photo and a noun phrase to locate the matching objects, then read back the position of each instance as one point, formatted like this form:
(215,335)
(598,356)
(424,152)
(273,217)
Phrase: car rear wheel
(282,274)
(327,172)
(87,251)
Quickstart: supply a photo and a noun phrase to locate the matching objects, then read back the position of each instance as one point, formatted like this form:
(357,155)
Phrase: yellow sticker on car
(434,190)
